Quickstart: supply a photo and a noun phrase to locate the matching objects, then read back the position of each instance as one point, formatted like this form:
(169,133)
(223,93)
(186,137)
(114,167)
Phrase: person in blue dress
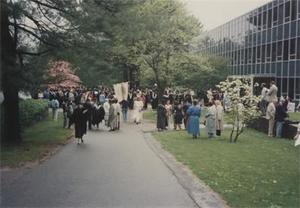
(193,113)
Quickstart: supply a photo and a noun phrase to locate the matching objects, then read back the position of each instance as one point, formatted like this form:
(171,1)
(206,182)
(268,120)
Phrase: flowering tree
(242,105)
(60,74)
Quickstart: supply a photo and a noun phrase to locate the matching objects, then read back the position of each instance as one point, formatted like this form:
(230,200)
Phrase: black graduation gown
(178,115)
(80,119)
(161,117)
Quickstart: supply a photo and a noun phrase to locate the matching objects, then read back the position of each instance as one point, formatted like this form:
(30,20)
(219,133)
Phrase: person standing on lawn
(272,93)
(185,115)
(161,117)
(178,116)
(270,115)
(169,110)
(210,120)
(280,115)
(194,113)
(219,117)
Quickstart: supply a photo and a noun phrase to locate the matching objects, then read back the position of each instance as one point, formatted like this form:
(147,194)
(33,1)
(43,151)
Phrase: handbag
(218,132)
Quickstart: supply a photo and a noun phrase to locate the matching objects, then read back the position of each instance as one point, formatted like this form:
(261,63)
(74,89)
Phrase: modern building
(263,44)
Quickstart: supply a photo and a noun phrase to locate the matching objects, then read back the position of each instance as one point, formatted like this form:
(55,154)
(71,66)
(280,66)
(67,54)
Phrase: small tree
(242,105)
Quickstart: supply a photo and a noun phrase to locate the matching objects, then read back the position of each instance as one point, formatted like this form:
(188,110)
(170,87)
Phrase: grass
(295,117)
(257,171)
(150,115)
(37,141)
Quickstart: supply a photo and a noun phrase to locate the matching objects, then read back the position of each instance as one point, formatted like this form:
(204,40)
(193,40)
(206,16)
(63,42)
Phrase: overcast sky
(213,13)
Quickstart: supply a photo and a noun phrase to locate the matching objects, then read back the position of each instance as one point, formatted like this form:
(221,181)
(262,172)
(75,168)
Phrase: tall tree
(27,26)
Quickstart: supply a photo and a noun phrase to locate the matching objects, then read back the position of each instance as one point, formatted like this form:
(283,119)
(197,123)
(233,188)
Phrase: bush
(32,110)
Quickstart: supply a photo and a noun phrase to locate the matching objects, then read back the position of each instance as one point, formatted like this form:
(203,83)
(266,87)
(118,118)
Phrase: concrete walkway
(111,169)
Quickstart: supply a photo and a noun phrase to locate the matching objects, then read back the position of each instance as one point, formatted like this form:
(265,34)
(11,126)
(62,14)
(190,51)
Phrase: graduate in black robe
(161,117)
(80,119)
(97,115)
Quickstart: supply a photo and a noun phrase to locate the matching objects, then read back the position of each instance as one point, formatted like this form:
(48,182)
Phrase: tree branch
(48,5)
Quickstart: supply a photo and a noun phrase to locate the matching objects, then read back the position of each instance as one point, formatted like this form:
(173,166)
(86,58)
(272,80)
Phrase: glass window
(268,53)
(298,26)
(263,53)
(293,29)
(269,18)
(298,10)
(280,32)
(298,71)
(269,35)
(286,50)
(286,31)
(263,69)
(259,24)
(275,15)
(264,20)
(264,34)
(268,68)
(257,68)
(258,55)
(293,48)
(278,69)
(280,14)
(273,68)
(292,68)
(279,50)
(274,52)
(284,86)
(294,10)
(298,50)
(287,12)
(254,55)
(274,34)
(285,68)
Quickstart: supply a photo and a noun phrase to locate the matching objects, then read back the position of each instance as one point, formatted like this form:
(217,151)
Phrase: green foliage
(255,172)
(32,110)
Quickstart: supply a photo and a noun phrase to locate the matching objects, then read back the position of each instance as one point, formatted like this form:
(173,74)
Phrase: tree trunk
(9,85)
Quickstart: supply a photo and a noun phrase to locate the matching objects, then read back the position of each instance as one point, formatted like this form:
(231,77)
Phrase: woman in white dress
(138,110)
(169,110)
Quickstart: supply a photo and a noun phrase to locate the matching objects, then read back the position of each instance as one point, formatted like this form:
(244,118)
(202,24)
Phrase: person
(106,107)
(210,120)
(54,104)
(272,93)
(161,117)
(138,110)
(193,113)
(101,97)
(118,111)
(125,106)
(185,115)
(219,117)
(168,107)
(89,106)
(280,116)
(270,116)
(65,114)
(178,116)
(111,116)
(70,111)
(264,99)
(80,120)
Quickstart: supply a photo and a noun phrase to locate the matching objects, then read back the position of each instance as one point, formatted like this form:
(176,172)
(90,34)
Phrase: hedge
(32,110)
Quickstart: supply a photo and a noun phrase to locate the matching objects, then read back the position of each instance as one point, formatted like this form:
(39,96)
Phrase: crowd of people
(173,111)
(274,109)
(87,108)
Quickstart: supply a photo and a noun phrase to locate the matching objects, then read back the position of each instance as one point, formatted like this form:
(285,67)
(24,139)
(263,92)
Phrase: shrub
(32,110)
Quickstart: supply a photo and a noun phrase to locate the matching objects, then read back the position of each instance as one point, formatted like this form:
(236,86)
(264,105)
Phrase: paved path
(112,169)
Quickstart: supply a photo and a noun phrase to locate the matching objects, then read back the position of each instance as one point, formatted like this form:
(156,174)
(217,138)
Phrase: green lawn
(294,116)
(150,115)
(257,171)
(37,141)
